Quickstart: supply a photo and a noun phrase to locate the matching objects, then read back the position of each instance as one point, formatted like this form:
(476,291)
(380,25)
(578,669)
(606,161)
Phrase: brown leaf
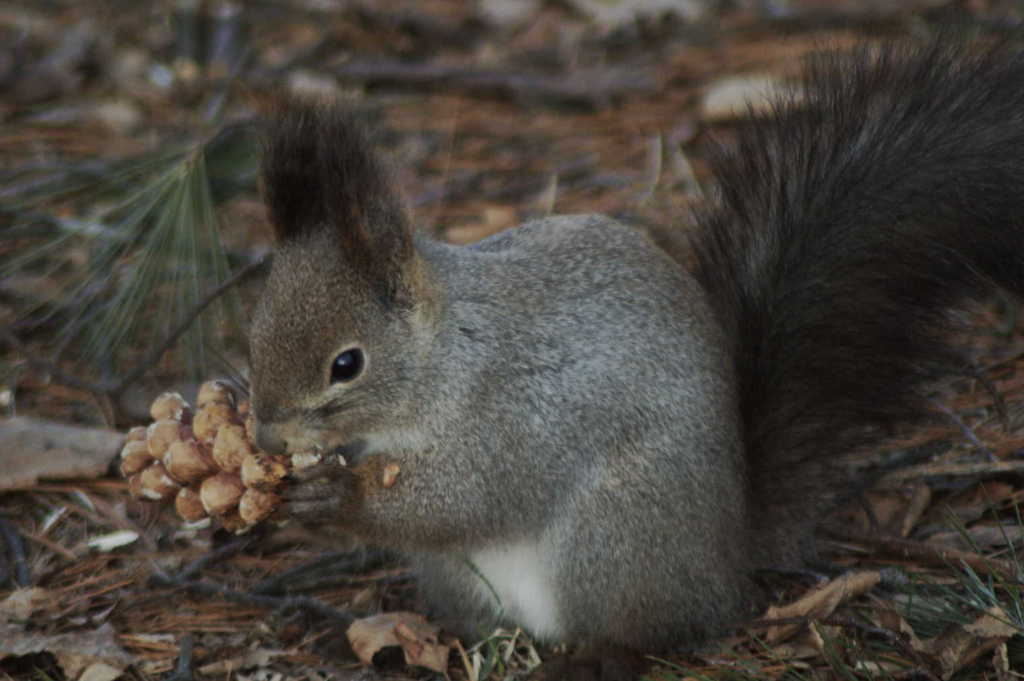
(416,636)
(1001,662)
(961,645)
(889,618)
(734,97)
(82,668)
(972,503)
(81,654)
(495,219)
(980,537)
(21,603)
(420,645)
(819,603)
(894,511)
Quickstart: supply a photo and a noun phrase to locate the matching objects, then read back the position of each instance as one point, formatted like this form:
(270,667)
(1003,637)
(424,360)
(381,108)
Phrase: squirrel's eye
(347,366)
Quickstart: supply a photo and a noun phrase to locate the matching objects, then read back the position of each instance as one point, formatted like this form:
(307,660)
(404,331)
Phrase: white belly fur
(519,576)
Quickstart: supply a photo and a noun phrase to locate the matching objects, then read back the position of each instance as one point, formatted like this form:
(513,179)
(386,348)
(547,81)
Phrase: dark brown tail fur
(850,222)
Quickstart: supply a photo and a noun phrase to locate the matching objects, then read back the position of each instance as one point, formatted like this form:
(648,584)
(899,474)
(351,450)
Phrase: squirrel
(600,438)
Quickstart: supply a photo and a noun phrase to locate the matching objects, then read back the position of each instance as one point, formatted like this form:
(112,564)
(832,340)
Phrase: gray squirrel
(599,438)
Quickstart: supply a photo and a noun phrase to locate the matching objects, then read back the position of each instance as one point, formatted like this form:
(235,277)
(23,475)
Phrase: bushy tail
(850,222)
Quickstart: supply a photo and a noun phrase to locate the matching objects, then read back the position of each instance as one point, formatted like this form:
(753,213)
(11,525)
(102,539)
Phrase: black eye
(347,366)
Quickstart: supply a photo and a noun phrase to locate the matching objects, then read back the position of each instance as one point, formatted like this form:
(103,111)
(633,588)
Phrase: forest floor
(494,112)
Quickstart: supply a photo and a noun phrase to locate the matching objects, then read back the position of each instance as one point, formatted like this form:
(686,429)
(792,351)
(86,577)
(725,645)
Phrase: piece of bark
(33,449)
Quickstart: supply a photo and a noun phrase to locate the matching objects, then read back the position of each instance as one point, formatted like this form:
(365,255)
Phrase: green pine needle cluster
(130,247)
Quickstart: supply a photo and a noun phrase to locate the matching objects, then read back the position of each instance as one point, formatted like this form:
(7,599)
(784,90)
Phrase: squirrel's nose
(269,439)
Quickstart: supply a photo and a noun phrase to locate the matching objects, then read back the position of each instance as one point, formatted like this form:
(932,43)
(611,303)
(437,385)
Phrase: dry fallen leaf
(981,537)
(889,618)
(83,655)
(960,645)
(113,540)
(495,219)
(259,659)
(89,670)
(893,511)
(819,603)
(970,504)
(417,637)
(21,603)
(734,97)
(1001,662)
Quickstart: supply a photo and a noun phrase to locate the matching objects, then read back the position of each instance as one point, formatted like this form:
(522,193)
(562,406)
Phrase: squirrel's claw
(329,468)
(319,492)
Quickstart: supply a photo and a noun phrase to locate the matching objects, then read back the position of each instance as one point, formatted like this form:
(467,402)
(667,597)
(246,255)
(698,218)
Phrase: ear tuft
(320,174)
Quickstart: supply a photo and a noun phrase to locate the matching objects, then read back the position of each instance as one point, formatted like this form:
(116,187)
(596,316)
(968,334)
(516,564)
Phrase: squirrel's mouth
(352,452)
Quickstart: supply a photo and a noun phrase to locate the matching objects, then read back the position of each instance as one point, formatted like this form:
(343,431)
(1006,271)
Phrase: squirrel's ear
(320,174)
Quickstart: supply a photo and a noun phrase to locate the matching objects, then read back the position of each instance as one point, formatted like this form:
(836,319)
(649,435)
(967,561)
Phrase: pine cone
(206,460)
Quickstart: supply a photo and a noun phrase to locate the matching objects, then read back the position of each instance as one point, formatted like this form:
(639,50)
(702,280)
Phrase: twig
(299,577)
(53,546)
(997,399)
(154,356)
(183,670)
(585,87)
(895,638)
(113,388)
(967,431)
(206,588)
(422,25)
(232,548)
(934,556)
(954,469)
(16,553)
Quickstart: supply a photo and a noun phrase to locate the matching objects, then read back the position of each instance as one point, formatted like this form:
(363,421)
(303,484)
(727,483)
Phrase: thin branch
(113,388)
(967,431)
(16,553)
(583,87)
(183,670)
(336,564)
(931,555)
(156,353)
(953,470)
(207,588)
(234,547)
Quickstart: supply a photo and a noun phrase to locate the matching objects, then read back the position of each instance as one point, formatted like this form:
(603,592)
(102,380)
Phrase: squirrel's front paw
(321,492)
